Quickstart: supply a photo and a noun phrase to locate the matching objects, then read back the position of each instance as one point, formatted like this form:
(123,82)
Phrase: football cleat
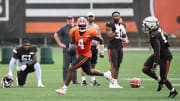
(41,85)
(84,83)
(135,83)
(173,94)
(94,83)
(114,85)
(108,76)
(61,91)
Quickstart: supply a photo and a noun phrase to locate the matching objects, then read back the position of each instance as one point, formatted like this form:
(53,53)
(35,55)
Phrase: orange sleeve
(94,32)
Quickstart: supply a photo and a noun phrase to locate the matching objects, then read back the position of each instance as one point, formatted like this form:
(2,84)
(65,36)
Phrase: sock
(115,81)
(65,87)
(159,79)
(93,78)
(38,73)
(172,90)
(83,78)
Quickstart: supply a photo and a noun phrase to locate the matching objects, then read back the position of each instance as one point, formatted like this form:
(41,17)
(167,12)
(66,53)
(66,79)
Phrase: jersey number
(81,44)
(26,57)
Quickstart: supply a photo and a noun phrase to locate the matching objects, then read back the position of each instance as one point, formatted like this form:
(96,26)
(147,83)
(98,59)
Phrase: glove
(23,67)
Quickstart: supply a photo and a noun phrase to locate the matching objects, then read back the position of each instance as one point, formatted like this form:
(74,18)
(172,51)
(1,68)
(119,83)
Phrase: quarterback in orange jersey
(83,42)
(83,37)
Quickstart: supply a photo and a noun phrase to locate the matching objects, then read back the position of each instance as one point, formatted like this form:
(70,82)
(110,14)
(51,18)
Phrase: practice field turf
(131,67)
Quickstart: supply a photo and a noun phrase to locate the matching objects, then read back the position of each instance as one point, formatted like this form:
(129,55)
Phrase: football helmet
(82,24)
(135,83)
(7,81)
(150,23)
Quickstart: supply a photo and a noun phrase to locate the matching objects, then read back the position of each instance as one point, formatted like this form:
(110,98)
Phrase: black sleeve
(60,31)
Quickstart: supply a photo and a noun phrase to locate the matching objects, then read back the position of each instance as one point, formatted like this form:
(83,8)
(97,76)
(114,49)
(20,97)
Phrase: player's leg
(113,58)
(164,69)
(94,57)
(147,68)
(37,69)
(83,77)
(89,71)
(75,65)
(21,78)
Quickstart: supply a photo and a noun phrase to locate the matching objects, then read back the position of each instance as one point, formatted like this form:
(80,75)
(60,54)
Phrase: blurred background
(38,20)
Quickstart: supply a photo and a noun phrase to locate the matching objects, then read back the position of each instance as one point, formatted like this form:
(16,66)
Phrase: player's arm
(157,45)
(110,33)
(57,38)
(101,47)
(124,35)
(13,61)
(34,60)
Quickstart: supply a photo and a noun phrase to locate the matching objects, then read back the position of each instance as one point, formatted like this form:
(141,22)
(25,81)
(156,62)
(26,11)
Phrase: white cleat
(61,91)
(114,85)
(41,86)
(108,76)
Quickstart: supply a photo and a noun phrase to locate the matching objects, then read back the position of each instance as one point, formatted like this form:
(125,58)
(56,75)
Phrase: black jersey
(24,56)
(116,42)
(159,40)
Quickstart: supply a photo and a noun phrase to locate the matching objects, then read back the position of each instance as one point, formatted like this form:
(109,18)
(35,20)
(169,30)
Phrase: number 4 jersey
(83,41)
(24,56)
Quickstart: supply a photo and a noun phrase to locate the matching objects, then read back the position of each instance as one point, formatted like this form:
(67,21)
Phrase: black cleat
(173,94)
(76,82)
(94,83)
(160,86)
(84,83)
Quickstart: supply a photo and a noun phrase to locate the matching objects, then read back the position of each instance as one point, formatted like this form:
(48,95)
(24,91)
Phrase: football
(135,82)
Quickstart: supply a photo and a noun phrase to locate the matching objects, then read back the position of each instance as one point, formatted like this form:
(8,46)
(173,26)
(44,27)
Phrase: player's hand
(62,45)
(23,67)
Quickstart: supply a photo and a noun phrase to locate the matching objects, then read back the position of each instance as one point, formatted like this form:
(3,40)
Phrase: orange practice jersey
(83,42)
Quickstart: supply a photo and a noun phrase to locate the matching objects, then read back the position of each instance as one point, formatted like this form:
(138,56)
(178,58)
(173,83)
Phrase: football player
(26,59)
(117,34)
(83,37)
(161,56)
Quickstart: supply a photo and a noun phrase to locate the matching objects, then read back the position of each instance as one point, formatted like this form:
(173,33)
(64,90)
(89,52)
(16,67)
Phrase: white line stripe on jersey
(76,1)
(75,12)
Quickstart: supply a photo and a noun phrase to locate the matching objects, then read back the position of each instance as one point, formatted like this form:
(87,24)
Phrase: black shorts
(82,61)
(22,75)
(115,56)
(164,64)
(94,55)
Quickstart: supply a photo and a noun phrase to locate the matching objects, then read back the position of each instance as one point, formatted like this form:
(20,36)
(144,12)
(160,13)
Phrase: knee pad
(36,66)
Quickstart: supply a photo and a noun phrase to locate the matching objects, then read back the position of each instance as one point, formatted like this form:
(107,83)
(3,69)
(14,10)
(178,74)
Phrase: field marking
(148,79)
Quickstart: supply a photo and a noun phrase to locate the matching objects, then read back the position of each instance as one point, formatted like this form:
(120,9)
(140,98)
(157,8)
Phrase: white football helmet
(150,23)
(7,81)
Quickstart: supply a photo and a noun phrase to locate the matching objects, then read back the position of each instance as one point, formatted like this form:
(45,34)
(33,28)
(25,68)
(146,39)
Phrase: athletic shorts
(115,56)
(163,63)
(94,55)
(22,75)
(83,62)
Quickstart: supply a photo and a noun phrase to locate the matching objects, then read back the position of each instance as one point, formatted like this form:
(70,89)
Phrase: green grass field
(131,67)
